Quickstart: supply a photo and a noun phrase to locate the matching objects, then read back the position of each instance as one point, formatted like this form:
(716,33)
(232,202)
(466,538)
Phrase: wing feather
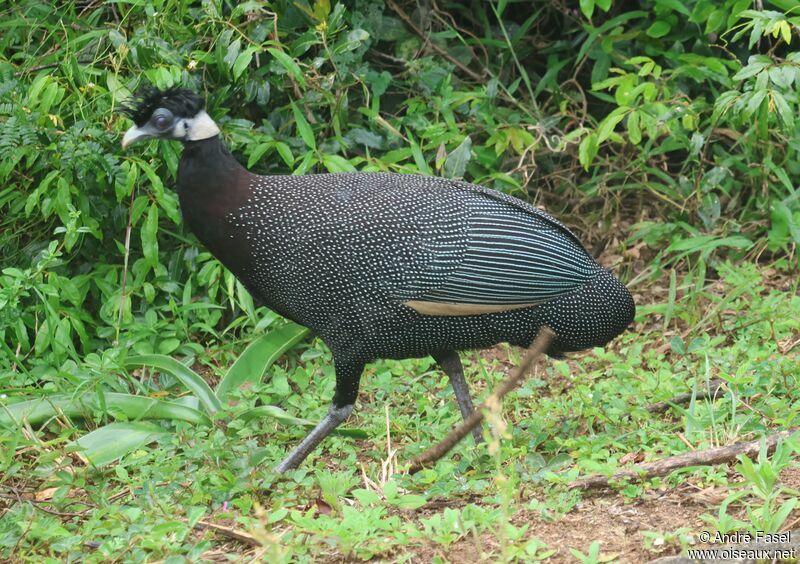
(513,258)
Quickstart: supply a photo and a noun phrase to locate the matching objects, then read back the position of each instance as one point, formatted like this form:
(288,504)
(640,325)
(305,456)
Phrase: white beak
(133,135)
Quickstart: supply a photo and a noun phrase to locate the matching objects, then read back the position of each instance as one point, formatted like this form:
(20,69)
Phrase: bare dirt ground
(618,523)
(622,523)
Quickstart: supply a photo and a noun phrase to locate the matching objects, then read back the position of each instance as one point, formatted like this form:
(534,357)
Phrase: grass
(498,500)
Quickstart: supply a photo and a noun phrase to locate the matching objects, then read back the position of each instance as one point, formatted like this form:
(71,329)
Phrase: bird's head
(175,113)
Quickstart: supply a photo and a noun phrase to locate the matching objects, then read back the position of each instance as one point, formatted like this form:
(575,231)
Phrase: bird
(384,265)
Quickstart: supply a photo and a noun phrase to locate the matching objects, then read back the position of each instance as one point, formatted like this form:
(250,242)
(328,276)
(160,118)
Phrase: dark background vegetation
(664,132)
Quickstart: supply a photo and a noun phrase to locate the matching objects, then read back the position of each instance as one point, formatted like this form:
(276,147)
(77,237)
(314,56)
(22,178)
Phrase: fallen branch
(714,387)
(228,532)
(437,451)
(706,457)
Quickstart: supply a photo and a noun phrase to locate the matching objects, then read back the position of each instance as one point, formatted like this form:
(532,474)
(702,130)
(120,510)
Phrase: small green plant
(111,441)
(659,542)
(760,494)
(593,555)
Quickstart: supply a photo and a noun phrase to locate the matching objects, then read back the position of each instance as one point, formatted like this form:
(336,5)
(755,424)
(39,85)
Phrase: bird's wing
(510,255)
(513,202)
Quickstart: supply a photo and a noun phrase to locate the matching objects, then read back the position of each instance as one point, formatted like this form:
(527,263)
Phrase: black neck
(211,185)
(207,162)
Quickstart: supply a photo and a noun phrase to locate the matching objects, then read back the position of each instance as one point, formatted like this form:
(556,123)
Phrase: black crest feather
(180,101)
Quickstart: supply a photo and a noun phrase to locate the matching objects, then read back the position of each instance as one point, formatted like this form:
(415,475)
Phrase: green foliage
(110,442)
(593,555)
(671,127)
(772,503)
(258,356)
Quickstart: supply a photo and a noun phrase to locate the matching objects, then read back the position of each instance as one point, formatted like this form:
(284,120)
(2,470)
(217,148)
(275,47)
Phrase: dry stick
(437,451)
(228,532)
(410,23)
(706,457)
(714,387)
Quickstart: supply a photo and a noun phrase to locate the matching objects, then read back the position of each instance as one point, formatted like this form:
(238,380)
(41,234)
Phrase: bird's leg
(335,417)
(347,380)
(451,365)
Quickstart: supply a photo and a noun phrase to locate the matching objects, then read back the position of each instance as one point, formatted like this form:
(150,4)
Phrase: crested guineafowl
(385,265)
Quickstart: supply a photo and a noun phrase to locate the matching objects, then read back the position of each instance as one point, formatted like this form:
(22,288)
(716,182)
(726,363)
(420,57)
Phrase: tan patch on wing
(451,309)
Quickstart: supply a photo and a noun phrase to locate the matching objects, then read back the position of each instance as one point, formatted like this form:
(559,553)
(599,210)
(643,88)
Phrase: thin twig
(38,68)
(125,263)
(437,451)
(37,504)
(708,457)
(410,23)
(228,532)
(713,389)
(441,14)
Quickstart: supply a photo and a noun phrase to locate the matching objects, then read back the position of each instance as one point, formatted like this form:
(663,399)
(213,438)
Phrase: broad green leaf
(601,31)
(337,163)
(781,217)
(786,32)
(782,76)
(785,5)
(243,61)
(259,152)
(634,129)
(587,150)
(606,128)
(676,5)
(285,152)
(113,441)
(750,70)
(716,20)
(149,233)
(155,182)
(755,101)
(321,9)
(166,346)
(456,163)
(188,377)
(710,242)
(33,200)
(256,359)
(419,157)
(628,89)
(303,128)
(659,29)
(378,82)
(366,497)
(783,108)
(308,161)
(410,501)
(245,300)
(39,410)
(587,8)
(232,52)
(276,412)
(288,63)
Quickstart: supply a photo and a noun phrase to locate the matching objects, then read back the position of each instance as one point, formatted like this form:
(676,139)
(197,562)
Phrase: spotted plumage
(386,265)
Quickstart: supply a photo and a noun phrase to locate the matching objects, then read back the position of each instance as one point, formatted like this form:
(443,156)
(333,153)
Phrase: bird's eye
(162,121)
